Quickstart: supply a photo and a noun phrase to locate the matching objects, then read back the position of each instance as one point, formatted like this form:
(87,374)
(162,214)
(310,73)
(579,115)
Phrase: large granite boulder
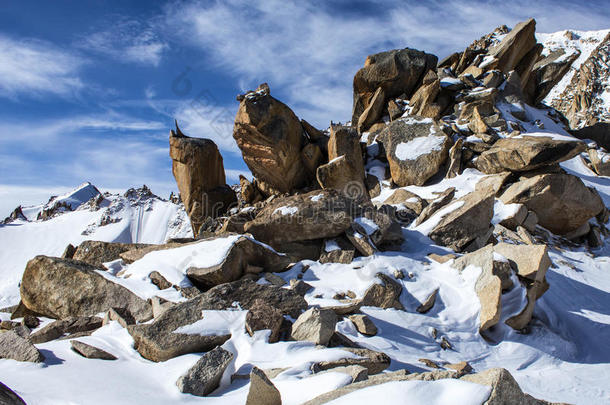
(527,153)
(62,288)
(562,202)
(396,72)
(199,172)
(270,137)
(415,149)
(204,377)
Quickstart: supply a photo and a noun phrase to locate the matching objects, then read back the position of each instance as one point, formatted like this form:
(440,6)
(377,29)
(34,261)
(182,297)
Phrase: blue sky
(90,89)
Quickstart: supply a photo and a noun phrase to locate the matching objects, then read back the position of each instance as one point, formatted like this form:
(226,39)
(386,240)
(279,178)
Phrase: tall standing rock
(515,45)
(396,72)
(270,137)
(199,172)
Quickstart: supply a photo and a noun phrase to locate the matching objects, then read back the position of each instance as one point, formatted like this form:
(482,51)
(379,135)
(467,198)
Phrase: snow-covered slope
(137,216)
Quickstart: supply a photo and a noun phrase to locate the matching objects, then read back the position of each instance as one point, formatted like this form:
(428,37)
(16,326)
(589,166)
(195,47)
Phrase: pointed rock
(262,391)
(204,377)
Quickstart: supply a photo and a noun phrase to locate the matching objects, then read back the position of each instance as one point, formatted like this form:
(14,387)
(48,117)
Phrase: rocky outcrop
(15,347)
(243,255)
(96,253)
(315,215)
(527,153)
(204,377)
(395,72)
(199,172)
(270,137)
(159,341)
(62,288)
(415,149)
(561,201)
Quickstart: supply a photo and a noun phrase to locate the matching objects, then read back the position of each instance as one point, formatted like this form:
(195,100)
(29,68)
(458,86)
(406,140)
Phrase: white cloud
(126,41)
(308,52)
(34,67)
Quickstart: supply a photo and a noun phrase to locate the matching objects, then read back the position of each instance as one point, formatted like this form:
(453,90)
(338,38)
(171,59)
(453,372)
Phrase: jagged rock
(158,341)
(120,315)
(373,112)
(394,110)
(423,101)
(300,287)
(386,295)
(515,218)
(8,397)
(344,141)
(58,329)
(375,362)
(91,352)
(364,324)
(397,71)
(315,325)
(600,160)
(468,224)
(489,284)
(514,46)
(61,288)
(527,153)
(204,377)
(410,200)
(504,388)
(315,215)
(361,241)
(415,149)
(530,222)
(270,137)
(549,70)
(455,159)
(15,347)
(199,172)
(561,202)
(243,253)
(157,279)
(339,174)
(439,202)
(263,316)
(96,253)
(262,391)
(160,305)
(428,303)
(248,191)
(530,261)
(69,252)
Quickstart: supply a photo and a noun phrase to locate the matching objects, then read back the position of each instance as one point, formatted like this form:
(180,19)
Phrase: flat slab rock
(91,352)
(157,341)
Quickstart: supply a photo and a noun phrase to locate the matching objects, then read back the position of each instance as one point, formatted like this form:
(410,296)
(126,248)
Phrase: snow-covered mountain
(138,216)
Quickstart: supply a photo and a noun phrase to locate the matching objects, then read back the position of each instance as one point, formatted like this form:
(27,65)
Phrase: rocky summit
(449,244)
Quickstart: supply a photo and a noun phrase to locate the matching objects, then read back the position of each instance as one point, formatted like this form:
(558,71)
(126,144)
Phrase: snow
(317,197)
(331,245)
(368,225)
(442,392)
(286,210)
(419,146)
(449,81)
(503,211)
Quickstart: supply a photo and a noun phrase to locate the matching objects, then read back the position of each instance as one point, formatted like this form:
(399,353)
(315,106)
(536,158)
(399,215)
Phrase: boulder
(262,316)
(204,377)
(61,288)
(344,141)
(415,149)
(514,46)
(494,274)
(136,253)
(15,347)
(315,325)
(91,352)
(396,72)
(527,153)
(8,397)
(243,253)
(158,341)
(270,137)
(96,253)
(467,225)
(363,324)
(530,261)
(199,172)
(600,160)
(439,202)
(423,101)
(561,202)
(315,215)
(410,200)
(375,362)
(58,329)
(262,391)
(504,388)
(361,241)
(549,70)
(339,174)
(428,303)
(385,295)
(373,112)
(337,250)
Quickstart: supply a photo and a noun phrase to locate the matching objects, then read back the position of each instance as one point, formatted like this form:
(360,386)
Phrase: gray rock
(375,362)
(15,347)
(504,388)
(157,341)
(315,325)
(90,352)
(58,329)
(96,253)
(363,324)
(386,295)
(204,377)
(62,288)
(262,316)
(262,391)
(8,397)
(428,303)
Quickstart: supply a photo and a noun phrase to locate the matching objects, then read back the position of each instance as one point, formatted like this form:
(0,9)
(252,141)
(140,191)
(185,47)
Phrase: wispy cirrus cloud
(309,51)
(34,67)
(126,40)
